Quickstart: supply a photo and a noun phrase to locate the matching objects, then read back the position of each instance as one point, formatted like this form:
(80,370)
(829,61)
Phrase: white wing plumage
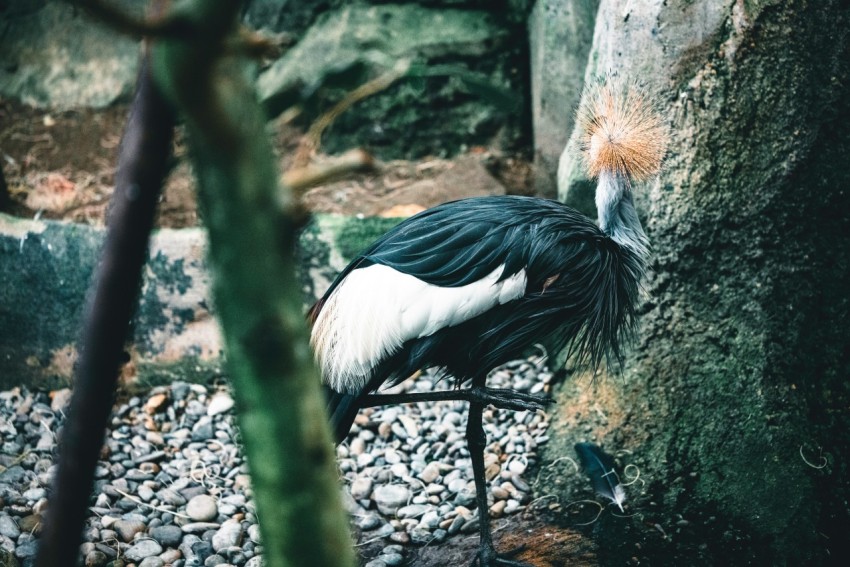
(376,309)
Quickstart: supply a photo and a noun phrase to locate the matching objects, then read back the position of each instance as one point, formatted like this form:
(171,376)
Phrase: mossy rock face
(465,85)
(47,267)
(741,363)
(54,55)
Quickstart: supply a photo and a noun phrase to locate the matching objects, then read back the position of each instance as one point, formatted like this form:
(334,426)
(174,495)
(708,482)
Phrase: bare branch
(142,165)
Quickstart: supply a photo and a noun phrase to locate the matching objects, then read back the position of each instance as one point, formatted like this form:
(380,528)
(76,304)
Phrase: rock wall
(560,33)
(730,405)
(46,268)
(466,84)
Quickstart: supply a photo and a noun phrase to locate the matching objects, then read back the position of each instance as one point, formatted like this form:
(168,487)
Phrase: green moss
(357,234)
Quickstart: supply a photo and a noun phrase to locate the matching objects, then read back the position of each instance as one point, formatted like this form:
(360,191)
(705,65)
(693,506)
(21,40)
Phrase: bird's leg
(498,397)
(476,439)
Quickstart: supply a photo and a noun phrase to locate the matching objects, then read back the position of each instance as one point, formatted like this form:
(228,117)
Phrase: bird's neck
(617,214)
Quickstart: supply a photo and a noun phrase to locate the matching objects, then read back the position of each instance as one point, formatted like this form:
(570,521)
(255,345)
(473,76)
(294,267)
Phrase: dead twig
(313,139)
(299,179)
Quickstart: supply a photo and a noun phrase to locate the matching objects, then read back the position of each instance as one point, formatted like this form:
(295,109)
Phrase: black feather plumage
(581,293)
(599,466)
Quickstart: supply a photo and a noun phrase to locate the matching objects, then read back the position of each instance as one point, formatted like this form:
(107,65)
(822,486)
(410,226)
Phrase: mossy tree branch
(258,299)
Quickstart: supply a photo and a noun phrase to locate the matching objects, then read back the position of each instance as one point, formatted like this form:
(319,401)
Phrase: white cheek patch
(377,309)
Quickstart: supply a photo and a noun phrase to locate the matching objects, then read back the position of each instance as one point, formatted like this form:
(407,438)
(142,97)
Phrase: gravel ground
(173,488)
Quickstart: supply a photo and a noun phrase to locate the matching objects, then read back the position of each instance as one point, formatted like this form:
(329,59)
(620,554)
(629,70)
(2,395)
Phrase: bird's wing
(435,271)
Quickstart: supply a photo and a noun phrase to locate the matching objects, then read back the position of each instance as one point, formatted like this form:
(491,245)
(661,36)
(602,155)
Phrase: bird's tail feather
(342,408)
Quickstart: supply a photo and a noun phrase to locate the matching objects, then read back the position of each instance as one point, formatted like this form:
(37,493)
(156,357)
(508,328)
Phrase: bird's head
(623,133)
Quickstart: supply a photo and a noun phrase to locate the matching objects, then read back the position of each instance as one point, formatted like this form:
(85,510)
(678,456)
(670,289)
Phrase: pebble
(254,533)
(144,548)
(9,528)
(199,527)
(407,469)
(219,403)
(228,535)
(202,508)
(167,536)
(361,488)
(95,558)
(390,498)
(127,529)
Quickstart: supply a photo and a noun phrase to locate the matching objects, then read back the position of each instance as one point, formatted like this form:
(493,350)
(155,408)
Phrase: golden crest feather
(622,130)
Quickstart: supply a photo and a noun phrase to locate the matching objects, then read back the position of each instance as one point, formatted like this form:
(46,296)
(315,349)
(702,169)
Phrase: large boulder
(560,33)
(464,86)
(55,56)
(733,407)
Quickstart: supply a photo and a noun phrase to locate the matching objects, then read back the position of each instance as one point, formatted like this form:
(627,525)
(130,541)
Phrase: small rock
(199,527)
(521,485)
(498,509)
(202,508)
(361,488)
(358,447)
(127,529)
(169,556)
(31,524)
(34,494)
(410,426)
(203,429)
(228,535)
(465,497)
(167,536)
(412,511)
(59,399)
(420,536)
(499,493)
(430,473)
(219,403)
(152,562)
(143,549)
(254,533)
(8,527)
(367,522)
(390,498)
(96,558)
(171,497)
(27,549)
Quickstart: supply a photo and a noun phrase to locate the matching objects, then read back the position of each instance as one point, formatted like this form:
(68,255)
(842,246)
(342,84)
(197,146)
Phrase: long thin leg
(477,440)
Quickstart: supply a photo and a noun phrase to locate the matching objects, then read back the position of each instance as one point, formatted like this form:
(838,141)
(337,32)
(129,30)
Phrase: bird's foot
(487,557)
(508,399)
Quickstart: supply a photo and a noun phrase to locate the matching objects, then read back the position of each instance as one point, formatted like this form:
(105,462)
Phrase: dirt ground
(61,165)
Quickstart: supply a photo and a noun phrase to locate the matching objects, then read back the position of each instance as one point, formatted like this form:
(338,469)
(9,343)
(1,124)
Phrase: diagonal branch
(142,165)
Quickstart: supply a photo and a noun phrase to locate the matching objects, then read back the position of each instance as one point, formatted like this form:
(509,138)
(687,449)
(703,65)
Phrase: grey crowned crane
(471,284)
